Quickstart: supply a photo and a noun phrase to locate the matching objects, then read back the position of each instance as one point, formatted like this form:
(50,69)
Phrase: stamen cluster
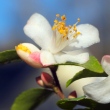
(60,26)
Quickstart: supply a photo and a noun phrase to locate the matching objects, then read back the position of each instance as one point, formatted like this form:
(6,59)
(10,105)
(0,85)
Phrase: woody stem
(57,88)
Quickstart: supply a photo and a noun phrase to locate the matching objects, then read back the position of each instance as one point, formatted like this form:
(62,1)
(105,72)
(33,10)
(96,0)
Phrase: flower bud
(106,63)
(47,79)
(39,81)
(73,94)
(30,54)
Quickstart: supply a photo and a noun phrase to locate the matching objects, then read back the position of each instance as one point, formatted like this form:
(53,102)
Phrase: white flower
(58,44)
(100,91)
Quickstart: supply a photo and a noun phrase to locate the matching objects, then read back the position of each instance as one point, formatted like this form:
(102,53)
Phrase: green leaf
(84,74)
(8,56)
(30,99)
(92,64)
(69,104)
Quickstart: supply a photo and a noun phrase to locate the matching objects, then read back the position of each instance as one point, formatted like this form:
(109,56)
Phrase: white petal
(58,42)
(106,63)
(89,36)
(79,58)
(99,91)
(47,58)
(39,29)
(31,47)
(76,52)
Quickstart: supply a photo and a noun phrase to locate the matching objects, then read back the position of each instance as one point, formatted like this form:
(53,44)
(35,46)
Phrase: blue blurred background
(17,77)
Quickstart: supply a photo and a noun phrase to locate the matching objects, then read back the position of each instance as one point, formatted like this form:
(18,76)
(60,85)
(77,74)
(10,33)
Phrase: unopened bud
(47,79)
(73,94)
(39,81)
(106,63)
(30,54)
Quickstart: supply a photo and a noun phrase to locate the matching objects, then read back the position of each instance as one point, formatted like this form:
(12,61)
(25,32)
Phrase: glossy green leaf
(30,99)
(84,74)
(8,56)
(69,104)
(92,64)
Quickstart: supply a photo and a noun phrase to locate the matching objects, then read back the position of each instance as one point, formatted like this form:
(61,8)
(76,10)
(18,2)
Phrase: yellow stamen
(74,28)
(23,48)
(54,27)
(76,34)
(55,21)
(70,26)
(57,15)
(63,17)
(60,26)
(78,19)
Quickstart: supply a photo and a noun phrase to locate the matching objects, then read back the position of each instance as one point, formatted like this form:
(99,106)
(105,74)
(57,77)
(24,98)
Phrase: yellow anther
(78,19)
(23,48)
(62,23)
(70,26)
(57,15)
(78,33)
(54,27)
(55,21)
(74,28)
(63,17)
(61,31)
(60,26)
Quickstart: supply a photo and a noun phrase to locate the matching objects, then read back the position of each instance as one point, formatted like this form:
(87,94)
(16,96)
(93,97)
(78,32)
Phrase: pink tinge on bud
(73,94)
(39,81)
(35,56)
(47,79)
(105,62)
(106,58)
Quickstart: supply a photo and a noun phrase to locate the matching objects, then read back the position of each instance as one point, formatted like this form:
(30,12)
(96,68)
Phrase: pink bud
(47,79)
(39,81)
(73,94)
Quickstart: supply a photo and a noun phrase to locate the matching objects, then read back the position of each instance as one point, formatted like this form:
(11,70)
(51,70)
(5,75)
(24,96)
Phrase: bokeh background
(17,77)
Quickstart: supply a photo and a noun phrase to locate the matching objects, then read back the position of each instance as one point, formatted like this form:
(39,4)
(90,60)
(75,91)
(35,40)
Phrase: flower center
(60,26)
(23,48)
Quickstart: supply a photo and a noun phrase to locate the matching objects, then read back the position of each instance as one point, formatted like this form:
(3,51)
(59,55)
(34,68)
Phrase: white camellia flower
(100,91)
(59,43)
